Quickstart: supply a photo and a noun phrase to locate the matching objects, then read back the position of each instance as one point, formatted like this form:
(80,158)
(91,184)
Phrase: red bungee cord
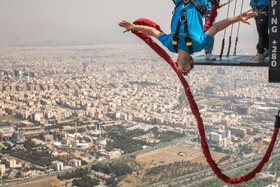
(213,14)
(147,39)
(212,17)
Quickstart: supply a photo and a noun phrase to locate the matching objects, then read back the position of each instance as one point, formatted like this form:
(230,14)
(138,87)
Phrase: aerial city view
(82,104)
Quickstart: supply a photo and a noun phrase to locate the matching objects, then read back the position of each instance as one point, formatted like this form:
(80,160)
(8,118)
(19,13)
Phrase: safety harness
(201,9)
(183,19)
(261,10)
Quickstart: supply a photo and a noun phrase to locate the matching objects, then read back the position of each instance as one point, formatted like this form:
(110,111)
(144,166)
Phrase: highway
(26,180)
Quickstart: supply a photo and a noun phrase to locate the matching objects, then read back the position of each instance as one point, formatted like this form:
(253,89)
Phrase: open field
(166,156)
(169,155)
(198,98)
(212,102)
(259,147)
(52,181)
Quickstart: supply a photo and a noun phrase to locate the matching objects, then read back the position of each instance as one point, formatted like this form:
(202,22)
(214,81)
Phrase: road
(232,171)
(26,180)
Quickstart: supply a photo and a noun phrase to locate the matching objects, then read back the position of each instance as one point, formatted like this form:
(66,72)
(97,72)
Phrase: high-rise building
(18,137)
(242,110)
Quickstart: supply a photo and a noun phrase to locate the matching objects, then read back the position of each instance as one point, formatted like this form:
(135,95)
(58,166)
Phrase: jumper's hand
(126,25)
(247,15)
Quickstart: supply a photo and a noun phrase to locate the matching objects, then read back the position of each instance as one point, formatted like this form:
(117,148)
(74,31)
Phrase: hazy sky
(27,21)
(81,12)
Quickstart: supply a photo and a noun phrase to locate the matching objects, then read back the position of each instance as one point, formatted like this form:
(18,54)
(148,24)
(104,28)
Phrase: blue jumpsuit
(255,3)
(195,24)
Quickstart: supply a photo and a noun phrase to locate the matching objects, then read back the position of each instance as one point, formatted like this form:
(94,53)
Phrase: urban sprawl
(66,104)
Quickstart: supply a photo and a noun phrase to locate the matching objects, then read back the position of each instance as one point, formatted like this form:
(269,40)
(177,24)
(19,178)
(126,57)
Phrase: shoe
(258,58)
(209,56)
(266,53)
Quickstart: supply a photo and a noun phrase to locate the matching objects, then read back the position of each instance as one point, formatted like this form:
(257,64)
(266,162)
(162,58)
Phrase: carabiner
(183,17)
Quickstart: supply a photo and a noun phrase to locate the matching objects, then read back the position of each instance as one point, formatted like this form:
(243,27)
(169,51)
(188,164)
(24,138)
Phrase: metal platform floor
(238,60)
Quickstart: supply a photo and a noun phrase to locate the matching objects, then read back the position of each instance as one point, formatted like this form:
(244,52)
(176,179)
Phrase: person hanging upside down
(189,37)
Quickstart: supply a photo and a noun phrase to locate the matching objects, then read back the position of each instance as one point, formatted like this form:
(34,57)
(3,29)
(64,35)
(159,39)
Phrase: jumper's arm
(151,31)
(221,25)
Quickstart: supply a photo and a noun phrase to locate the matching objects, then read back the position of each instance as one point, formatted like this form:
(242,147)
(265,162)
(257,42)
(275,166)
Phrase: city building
(75,163)
(220,138)
(101,142)
(57,165)
(242,110)
(1,136)
(115,154)
(249,138)
(18,137)
(2,169)
(11,163)
(48,137)
(238,130)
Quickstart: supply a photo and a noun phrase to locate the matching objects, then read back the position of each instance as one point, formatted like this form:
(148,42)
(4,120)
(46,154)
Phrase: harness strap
(201,9)
(262,9)
(187,37)
(188,40)
(176,36)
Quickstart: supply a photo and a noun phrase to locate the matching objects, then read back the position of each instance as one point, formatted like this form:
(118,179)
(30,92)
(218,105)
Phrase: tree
(86,181)
(19,174)
(75,174)
(111,181)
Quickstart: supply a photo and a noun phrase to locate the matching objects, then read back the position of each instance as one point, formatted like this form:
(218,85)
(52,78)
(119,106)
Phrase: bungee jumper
(187,31)
(144,28)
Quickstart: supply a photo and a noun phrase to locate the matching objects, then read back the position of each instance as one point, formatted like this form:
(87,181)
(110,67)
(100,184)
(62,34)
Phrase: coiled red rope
(196,112)
(212,17)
